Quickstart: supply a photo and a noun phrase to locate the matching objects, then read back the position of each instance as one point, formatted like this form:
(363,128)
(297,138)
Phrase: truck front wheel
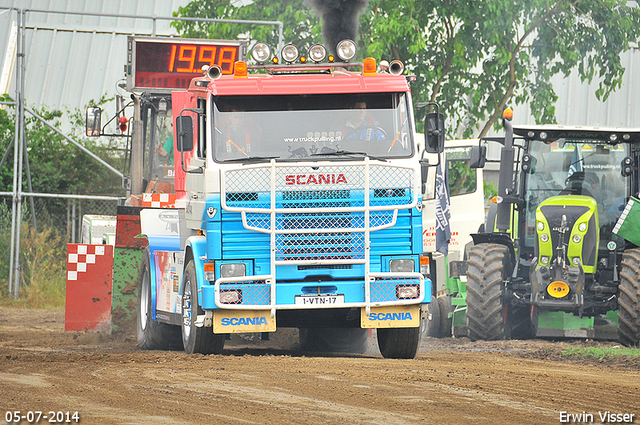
(152,335)
(398,343)
(196,339)
(629,298)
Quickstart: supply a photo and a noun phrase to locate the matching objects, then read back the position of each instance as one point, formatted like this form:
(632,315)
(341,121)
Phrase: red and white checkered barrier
(159,200)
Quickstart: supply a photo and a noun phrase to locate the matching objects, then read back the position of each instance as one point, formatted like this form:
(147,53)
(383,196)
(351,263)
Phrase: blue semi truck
(298,203)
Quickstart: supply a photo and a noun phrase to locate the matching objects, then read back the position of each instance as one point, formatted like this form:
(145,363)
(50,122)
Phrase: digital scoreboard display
(171,63)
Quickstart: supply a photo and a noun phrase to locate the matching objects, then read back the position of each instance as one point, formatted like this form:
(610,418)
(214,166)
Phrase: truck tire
(629,298)
(334,340)
(487,269)
(446,322)
(431,326)
(152,335)
(398,343)
(196,339)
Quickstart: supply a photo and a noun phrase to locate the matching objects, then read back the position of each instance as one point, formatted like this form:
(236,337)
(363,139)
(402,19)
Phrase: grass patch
(601,353)
(43,275)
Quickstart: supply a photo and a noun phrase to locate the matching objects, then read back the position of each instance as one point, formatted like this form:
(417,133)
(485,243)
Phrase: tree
(57,166)
(474,58)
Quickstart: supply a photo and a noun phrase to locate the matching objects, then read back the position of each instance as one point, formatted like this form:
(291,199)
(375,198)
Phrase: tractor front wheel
(487,270)
(629,298)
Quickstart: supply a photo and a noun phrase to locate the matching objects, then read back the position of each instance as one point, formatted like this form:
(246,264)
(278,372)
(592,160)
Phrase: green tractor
(548,262)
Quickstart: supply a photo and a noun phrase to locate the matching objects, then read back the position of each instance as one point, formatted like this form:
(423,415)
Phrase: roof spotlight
(261,53)
(317,53)
(346,50)
(289,53)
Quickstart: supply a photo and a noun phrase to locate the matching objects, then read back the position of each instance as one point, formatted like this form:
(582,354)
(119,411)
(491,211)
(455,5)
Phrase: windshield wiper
(250,159)
(348,153)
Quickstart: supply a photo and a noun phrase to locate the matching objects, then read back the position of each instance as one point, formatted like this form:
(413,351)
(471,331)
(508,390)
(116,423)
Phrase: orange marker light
(507,114)
(369,67)
(303,59)
(331,58)
(240,70)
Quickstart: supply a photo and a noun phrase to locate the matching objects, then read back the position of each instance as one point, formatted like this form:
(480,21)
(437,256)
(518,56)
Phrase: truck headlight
(231,296)
(261,53)
(346,50)
(233,269)
(402,265)
(209,272)
(407,292)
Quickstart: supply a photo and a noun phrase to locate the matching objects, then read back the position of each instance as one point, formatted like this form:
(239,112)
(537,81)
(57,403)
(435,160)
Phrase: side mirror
(93,122)
(184,125)
(478,156)
(434,132)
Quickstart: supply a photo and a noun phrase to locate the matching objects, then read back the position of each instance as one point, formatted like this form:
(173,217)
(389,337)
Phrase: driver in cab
(361,126)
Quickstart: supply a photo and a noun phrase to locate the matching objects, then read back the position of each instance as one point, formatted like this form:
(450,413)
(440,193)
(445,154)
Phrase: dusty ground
(452,381)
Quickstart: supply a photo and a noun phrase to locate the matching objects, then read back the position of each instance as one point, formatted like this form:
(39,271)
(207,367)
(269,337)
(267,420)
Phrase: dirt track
(452,381)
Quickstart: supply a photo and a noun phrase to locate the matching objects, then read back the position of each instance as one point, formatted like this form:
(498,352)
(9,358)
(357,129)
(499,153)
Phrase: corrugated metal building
(578,105)
(78,54)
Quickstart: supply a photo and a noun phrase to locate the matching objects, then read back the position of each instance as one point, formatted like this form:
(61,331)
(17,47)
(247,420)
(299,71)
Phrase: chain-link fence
(47,225)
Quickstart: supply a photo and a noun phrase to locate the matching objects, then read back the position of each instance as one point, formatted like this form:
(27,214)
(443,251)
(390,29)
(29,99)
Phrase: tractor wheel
(334,340)
(196,339)
(152,335)
(446,322)
(487,270)
(398,343)
(629,298)
(519,322)
(431,325)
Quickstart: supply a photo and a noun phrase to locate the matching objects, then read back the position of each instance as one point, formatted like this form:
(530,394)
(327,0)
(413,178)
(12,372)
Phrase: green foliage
(43,277)
(489,190)
(56,165)
(474,58)
(300,25)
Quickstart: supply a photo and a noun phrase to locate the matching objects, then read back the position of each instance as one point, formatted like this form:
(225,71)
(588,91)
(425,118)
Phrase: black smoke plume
(339,19)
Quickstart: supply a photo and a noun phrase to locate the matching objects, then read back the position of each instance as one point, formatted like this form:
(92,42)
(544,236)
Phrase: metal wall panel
(73,58)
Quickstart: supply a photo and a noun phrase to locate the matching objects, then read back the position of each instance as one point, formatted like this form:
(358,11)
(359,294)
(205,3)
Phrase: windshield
(577,167)
(299,127)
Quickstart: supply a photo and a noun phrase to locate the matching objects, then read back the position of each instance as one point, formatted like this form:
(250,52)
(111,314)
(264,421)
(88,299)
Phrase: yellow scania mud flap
(397,316)
(240,321)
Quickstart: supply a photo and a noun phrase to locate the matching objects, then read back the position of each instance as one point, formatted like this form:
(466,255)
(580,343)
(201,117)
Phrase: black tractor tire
(629,298)
(196,339)
(398,343)
(431,325)
(519,322)
(487,270)
(446,322)
(334,340)
(152,335)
